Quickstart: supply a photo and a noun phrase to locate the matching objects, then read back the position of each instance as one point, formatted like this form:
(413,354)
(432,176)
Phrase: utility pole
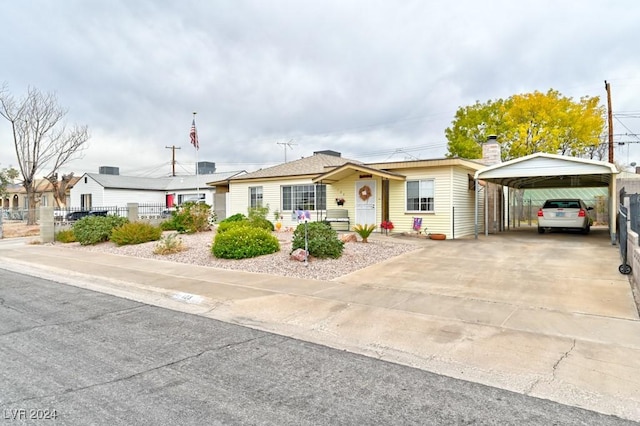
(285,145)
(607,86)
(173,158)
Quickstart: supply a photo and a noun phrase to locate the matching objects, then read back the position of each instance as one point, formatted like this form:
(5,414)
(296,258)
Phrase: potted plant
(340,201)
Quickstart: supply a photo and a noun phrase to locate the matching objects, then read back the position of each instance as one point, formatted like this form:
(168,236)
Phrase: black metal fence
(145,211)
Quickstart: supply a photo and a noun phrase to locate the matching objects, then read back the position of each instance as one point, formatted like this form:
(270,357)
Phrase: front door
(366,202)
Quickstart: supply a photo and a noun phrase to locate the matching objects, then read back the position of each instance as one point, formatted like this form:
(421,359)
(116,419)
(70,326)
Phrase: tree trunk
(31,203)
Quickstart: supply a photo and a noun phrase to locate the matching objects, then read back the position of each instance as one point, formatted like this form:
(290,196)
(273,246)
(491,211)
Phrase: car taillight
(582,213)
(540,214)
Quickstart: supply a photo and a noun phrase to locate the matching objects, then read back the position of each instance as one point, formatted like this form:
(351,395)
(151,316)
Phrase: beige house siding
(271,196)
(463,199)
(432,222)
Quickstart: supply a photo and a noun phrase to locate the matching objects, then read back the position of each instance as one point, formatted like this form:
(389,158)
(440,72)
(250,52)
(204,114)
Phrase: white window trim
(406,195)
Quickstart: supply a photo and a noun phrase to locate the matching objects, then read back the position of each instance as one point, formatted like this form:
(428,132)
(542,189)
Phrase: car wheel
(540,230)
(586,230)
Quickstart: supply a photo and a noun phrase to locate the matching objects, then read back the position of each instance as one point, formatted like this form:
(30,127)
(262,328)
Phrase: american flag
(194,135)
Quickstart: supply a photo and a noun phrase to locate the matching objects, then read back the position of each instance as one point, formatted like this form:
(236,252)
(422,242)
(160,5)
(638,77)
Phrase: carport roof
(542,170)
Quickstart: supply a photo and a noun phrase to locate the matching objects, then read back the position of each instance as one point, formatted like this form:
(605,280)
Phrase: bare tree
(40,136)
(60,187)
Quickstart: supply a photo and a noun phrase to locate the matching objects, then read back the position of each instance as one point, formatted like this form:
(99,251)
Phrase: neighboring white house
(439,192)
(96,190)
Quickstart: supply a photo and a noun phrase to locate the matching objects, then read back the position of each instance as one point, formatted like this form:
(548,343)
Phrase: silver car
(569,214)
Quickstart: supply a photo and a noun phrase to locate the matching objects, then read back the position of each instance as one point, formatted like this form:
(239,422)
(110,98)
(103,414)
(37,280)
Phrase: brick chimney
(491,151)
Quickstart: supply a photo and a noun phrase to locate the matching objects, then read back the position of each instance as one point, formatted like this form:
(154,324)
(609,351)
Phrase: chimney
(491,151)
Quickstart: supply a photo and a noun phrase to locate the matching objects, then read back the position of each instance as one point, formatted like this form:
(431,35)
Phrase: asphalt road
(89,358)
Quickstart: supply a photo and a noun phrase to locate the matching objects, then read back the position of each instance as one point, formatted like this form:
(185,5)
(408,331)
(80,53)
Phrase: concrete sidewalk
(575,341)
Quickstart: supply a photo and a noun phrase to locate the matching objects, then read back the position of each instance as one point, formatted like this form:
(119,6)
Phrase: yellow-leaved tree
(528,123)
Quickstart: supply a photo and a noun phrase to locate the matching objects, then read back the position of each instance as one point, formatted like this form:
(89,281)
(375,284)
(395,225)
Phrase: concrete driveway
(562,272)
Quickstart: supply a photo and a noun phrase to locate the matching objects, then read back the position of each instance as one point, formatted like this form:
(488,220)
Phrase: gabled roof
(339,173)
(389,170)
(41,186)
(308,166)
(542,170)
(171,183)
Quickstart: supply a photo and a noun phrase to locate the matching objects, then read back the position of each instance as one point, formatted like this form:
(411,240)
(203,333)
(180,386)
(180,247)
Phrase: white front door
(366,202)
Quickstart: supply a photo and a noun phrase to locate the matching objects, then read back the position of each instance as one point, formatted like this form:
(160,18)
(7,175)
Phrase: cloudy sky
(374,80)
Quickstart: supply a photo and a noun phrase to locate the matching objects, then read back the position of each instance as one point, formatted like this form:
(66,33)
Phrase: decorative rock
(349,238)
(299,255)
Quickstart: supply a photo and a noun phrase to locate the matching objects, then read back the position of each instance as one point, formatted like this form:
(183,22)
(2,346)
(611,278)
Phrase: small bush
(364,231)
(262,223)
(234,218)
(65,236)
(135,233)
(96,229)
(168,224)
(189,218)
(225,226)
(323,241)
(241,242)
(169,244)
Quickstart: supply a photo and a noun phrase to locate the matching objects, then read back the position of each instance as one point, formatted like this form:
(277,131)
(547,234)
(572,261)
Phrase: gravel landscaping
(356,255)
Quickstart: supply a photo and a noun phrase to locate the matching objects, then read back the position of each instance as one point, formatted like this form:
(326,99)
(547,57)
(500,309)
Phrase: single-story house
(440,193)
(100,190)
(16,196)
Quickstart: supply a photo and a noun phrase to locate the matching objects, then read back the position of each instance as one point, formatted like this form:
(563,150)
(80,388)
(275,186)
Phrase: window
(304,197)
(44,202)
(255,197)
(191,198)
(85,201)
(420,195)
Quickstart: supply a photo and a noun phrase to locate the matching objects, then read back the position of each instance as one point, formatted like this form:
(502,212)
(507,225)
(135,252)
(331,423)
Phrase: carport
(541,170)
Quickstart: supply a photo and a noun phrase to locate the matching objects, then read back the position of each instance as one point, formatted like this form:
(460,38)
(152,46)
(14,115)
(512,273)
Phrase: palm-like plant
(364,231)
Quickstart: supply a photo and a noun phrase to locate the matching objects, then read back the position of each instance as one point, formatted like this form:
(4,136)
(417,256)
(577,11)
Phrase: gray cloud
(358,77)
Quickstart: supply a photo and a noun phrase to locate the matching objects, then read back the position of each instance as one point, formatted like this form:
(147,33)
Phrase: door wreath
(364,193)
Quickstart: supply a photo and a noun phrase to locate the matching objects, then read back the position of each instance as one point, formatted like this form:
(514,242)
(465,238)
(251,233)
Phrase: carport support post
(475,211)
(486,208)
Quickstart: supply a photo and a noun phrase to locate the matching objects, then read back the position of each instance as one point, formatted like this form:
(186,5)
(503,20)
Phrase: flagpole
(197,146)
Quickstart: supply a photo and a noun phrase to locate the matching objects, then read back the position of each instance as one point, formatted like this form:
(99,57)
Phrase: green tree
(7,176)
(42,140)
(529,123)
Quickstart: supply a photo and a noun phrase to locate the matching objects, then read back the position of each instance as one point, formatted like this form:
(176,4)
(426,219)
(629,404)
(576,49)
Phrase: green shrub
(234,218)
(169,244)
(258,212)
(135,233)
(225,226)
(364,231)
(323,241)
(65,236)
(96,229)
(189,218)
(262,223)
(168,224)
(241,242)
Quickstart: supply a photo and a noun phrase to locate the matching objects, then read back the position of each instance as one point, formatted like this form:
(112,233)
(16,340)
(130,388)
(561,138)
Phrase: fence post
(132,212)
(47,230)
